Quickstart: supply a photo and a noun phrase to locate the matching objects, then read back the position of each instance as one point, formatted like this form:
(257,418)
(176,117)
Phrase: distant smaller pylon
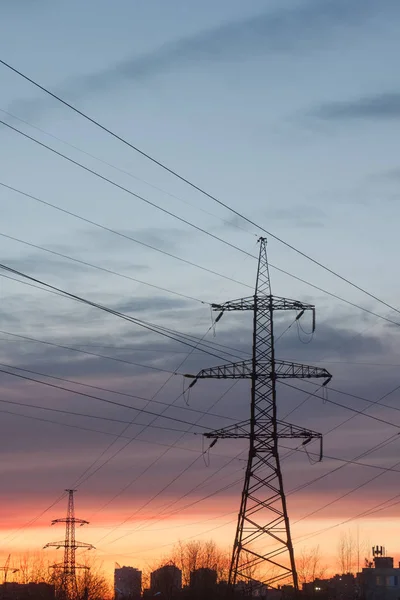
(68,587)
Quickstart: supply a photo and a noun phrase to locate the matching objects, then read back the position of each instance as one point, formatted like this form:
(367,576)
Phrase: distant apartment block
(379,580)
(127,583)
(27,591)
(166,582)
(203,579)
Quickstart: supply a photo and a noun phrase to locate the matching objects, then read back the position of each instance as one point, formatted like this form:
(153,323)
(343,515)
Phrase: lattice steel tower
(68,588)
(263,539)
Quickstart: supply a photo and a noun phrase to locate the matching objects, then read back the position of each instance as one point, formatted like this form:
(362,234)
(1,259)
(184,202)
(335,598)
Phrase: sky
(287,111)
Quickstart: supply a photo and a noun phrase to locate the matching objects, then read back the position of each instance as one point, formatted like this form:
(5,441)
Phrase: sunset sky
(288,111)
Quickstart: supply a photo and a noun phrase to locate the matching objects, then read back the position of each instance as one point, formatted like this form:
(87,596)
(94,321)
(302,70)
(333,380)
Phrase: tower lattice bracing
(263,548)
(67,569)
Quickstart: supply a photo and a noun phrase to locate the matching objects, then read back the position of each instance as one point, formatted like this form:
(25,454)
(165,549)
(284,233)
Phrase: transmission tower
(6,568)
(263,540)
(68,586)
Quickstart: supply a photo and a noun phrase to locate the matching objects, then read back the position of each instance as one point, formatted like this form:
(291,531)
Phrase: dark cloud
(167,240)
(40,264)
(283,31)
(382,107)
(152,304)
(62,453)
(390,174)
(300,216)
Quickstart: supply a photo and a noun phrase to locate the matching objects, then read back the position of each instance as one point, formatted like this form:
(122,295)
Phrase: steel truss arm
(283,370)
(263,302)
(67,520)
(285,430)
(62,544)
(77,566)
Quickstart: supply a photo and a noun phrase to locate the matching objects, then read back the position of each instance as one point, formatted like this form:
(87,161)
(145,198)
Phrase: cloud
(282,31)
(383,107)
(166,240)
(152,304)
(37,264)
(76,449)
(390,174)
(299,216)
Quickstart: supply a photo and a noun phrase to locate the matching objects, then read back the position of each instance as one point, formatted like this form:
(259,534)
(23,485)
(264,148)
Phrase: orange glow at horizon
(145,549)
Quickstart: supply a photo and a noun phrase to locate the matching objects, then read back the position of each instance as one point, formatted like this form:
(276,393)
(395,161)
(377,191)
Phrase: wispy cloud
(384,106)
(282,31)
(299,216)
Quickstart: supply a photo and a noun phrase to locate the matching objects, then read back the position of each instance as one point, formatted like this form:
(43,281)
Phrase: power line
(83,478)
(225,514)
(93,397)
(130,192)
(89,470)
(342,405)
(371,402)
(110,391)
(113,358)
(135,479)
(280,270)
(348,493)
(191,184)
(100,268)
(205,532)
(127,237)
(163,331)
(88,416)
(156,416)
(91,430)
(32,521)
(212,345)
(159,329)
(378,446)
(118,435)
(112,272)
(373,510)
(71,348)
(234,520)
(386,469)
(354,410)
(315,533)
(181,509)
(108,164)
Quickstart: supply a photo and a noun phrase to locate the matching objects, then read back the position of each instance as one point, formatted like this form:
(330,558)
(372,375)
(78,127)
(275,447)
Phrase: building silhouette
(379,580)
(166,582)
(339,587)
(127,583)
(203,582)
(27,591)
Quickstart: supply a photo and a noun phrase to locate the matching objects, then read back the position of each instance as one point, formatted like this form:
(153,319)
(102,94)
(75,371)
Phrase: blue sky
(288,111)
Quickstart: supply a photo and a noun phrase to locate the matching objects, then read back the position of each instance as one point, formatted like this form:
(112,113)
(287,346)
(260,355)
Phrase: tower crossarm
(84,545)
(75,545)
(290,431)
(283,370)
(237,370)
(77,566)
(55,545)
(242,430)
(263,302)
(70,520)
(239,430)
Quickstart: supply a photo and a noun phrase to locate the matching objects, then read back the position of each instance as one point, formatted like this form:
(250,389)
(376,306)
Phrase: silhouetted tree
(309,565)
